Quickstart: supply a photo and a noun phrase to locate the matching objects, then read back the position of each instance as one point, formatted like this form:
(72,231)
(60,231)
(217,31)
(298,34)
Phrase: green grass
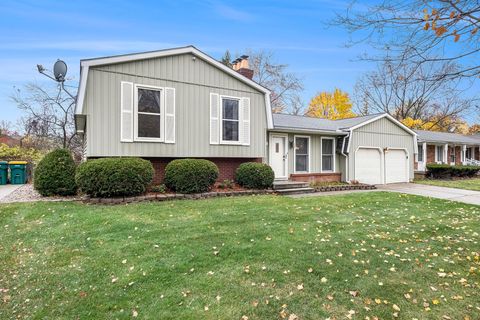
(261,257)
(468,184)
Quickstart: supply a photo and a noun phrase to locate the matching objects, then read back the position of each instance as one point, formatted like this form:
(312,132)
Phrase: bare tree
(419,31)
(48,115)
(406,91)
(285,86)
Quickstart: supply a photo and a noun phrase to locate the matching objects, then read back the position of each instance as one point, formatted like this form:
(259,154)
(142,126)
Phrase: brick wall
(316,177)
(430,153)
(226,167)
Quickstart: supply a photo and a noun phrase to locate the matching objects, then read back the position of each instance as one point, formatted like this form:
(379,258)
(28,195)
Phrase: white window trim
(220,113)
(420,146)
(135,113)
(295,153)
(436,153)
(334,145)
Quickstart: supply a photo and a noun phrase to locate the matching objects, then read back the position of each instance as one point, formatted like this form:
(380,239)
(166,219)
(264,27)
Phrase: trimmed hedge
(55,174)
(254,175)
(447,171)
(114,177)
(190,175)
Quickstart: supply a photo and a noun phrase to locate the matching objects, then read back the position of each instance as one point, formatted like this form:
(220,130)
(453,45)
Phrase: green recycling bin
(18,172)
(3,172)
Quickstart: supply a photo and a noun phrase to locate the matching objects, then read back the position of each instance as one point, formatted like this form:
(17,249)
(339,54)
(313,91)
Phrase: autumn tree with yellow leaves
(330,105)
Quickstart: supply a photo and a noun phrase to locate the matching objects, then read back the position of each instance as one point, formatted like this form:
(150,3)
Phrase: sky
(41,31)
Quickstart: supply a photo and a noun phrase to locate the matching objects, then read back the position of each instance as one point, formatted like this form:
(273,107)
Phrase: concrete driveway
(7,189)
(460,195)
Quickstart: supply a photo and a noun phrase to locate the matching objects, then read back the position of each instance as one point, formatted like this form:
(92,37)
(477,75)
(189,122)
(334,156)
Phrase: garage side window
(328,155)
(302,154)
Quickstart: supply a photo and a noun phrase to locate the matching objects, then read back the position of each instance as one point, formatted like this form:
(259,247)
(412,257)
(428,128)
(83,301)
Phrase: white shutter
(169,115)
(214,118)
(126,117)
(245,121)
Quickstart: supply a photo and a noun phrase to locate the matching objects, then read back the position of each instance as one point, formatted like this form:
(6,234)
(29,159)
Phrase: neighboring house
(180,103)
(10,140)
(447,148)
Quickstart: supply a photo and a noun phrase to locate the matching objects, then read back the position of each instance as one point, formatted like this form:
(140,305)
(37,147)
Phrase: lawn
(469,184)
(377,255)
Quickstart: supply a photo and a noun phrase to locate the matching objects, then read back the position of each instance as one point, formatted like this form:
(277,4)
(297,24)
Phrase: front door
(278,156)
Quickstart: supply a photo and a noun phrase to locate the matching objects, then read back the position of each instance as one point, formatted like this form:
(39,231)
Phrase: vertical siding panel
(192,112)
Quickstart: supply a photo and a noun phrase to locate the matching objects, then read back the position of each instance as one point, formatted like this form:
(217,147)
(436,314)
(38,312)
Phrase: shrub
(114,177)
(226,184)
(190,175)
(254,175)
(55,174)
(159,188)
(439,171)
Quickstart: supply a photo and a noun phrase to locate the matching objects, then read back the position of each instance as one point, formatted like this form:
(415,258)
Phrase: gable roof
(85,64)
(434,136)
(304,123)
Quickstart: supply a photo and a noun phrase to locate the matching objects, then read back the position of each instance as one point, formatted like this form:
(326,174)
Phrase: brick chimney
(241,66)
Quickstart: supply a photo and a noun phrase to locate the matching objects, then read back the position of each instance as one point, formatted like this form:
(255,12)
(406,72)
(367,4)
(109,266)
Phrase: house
(180,103)
(446,148)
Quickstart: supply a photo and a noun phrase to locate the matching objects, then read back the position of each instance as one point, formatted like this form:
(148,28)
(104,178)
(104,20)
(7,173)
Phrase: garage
(381,151)
(396,166)
(368,165)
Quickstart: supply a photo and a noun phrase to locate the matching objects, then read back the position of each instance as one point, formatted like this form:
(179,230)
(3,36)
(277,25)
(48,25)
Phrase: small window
(420,154)
(148,113)
(230,119)
(301,154)
(468,153)
(327,155)
(439,153)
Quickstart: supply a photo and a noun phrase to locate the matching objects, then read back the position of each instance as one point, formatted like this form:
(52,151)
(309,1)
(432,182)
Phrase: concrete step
(289,185)
(295,191)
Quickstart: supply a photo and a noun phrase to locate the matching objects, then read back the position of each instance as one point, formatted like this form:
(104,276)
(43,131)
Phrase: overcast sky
(40,31)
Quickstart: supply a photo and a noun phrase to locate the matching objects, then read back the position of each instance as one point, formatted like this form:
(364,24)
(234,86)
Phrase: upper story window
(149,124)
(230,119)
(147,113)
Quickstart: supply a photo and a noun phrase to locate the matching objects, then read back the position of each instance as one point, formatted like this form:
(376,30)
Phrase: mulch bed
(345,187)
(177,196)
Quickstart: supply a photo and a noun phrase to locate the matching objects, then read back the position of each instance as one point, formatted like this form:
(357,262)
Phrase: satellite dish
(60,70)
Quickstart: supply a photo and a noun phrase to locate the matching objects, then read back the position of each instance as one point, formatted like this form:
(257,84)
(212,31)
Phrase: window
(328,155)
(468,153)
(149,117)
(439,153)
(420,153)
(301,154)
(230,119)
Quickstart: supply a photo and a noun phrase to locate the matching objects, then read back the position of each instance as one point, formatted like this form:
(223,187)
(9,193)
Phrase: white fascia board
(385,115)
(81,90)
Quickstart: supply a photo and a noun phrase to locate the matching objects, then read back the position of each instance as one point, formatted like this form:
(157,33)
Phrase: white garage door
(396,166)
(368,166)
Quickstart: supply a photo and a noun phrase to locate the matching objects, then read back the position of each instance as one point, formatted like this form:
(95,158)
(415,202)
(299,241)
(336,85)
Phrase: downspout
(345,155)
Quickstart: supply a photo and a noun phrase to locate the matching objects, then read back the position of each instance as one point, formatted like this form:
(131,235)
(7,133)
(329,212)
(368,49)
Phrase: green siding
(315,153)
(382,133)
(193,81)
